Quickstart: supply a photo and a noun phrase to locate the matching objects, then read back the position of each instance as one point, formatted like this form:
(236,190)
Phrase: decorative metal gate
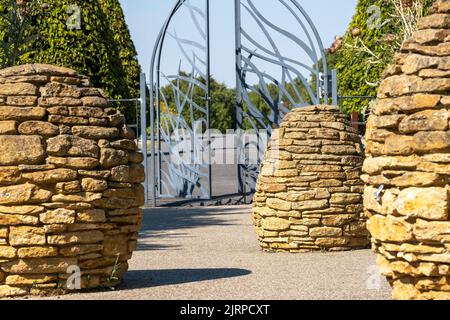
(271,78)
(181,97)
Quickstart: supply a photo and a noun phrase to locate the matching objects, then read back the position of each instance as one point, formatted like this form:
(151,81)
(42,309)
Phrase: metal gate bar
(252,54)
(161,180)
(247,56)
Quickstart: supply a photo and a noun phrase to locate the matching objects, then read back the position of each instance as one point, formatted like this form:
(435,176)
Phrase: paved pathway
(212,253)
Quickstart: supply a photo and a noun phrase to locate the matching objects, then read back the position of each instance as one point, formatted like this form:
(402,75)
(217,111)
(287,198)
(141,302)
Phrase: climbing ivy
(375,33)
(101,48)
(15,22)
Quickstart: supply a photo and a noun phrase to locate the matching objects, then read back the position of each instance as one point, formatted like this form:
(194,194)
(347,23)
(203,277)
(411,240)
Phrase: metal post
(154,99)
(237,13)
(355,120)
(158,119)
(144,131)
(152,142)
(136,114)
(208,98)
(334,87)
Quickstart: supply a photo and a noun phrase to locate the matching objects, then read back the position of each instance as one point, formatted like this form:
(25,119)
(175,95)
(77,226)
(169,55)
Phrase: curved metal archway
(263,100)
(276,94)
(176,177)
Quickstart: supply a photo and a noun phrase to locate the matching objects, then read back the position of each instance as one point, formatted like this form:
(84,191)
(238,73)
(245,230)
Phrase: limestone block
(111,157)
(29,279)
(91,132)
(23,194)
(92,101)
(77,197)
(75,250)
(26,236)
(7,252)
(39,266)
(58,101)
(18,89)
(38,128)
(432,231)
(76,237)
(426,203)
(9,291)
(21,150)
(94,215)
(320,232)
(68,187)
(58,216)
(74,162)
(131,173)
(87,112)
(8,127)
(37,252)
(67,145)
(13,219)
(51,176)
(58,89)
(124,144)
(10,175)
(428,120)
(275,224)
(69,121)
(93,185)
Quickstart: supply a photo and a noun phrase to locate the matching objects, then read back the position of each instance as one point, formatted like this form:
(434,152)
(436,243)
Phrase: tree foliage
(15,31)
(101,49)
(375,33)
(223,102)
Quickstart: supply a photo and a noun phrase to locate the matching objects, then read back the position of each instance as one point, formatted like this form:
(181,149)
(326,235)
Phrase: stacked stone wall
(407,168)
(70,183)
(309,192)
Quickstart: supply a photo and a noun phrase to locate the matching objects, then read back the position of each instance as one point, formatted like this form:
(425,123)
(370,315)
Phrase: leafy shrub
(101,49)
(370,43)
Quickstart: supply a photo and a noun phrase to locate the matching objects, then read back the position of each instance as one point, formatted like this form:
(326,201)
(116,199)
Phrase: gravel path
(212,253)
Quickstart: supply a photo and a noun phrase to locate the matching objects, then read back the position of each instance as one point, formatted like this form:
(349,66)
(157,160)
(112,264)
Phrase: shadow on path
(137,279)
(169,223)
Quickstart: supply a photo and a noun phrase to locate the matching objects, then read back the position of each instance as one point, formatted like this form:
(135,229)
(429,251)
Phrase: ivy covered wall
(101,48)
(374,35)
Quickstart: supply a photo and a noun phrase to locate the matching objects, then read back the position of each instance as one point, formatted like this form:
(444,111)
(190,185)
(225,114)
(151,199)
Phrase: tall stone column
(407,168)
(70,184)
(309,192)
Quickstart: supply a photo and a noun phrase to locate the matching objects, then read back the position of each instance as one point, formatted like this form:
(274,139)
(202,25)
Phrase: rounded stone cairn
(309,193)
(70,184)
(408,164)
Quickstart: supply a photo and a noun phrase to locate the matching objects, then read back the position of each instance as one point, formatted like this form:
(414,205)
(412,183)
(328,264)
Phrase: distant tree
(223,102)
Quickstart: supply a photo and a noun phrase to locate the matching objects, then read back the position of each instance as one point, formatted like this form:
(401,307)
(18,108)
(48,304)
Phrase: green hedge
(102,49)
(359,70)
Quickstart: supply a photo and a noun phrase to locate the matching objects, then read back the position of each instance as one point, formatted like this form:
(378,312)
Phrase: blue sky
(145,18)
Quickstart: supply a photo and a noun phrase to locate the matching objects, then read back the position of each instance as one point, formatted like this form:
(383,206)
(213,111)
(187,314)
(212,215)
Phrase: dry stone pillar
(407,169)
(309,192)
(70,183)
